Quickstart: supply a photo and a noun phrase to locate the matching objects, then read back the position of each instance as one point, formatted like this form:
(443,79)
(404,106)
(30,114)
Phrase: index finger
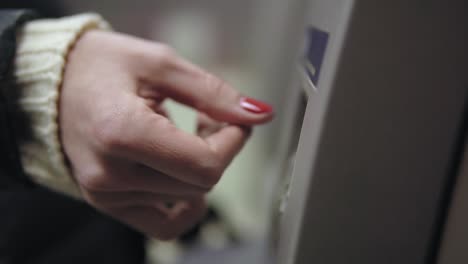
(189,84)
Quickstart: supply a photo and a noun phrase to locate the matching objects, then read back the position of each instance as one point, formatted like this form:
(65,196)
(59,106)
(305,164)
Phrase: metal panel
(376,148)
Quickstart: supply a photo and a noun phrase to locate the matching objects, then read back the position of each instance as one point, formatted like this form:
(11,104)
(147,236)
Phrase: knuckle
(109,131)
(94,180)
(216,86)
(210,171)
(216,90)
(165,55)
(107,138)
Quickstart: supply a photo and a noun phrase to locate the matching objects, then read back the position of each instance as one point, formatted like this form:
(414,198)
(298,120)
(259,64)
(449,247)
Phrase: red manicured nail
(255,106)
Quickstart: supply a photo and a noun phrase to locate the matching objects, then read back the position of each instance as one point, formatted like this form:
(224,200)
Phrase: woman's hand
(127,157)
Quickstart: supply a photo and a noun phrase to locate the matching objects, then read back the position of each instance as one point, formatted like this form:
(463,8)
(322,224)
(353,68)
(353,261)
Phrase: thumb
(192,86)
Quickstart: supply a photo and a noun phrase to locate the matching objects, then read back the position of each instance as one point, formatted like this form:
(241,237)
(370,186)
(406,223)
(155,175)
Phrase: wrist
(43,47)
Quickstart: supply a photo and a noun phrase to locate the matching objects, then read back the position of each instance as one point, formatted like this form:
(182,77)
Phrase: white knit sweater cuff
(43,46)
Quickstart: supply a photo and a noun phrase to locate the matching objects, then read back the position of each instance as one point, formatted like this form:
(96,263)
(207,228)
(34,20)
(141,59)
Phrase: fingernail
(255,106)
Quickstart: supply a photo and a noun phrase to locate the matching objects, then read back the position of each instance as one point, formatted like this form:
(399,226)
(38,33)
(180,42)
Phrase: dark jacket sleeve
(11,122)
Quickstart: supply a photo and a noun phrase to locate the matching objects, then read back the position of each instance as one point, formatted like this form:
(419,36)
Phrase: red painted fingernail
(255,106)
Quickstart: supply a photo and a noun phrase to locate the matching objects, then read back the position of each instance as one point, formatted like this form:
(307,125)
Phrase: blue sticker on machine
(316,45)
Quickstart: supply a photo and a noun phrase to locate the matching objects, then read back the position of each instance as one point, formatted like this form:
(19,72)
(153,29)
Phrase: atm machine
(375,136)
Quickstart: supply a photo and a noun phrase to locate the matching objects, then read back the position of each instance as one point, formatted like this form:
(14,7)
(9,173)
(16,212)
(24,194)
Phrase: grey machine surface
(380,93)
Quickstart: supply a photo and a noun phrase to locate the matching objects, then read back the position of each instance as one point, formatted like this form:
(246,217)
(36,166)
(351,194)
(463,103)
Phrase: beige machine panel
(377,151)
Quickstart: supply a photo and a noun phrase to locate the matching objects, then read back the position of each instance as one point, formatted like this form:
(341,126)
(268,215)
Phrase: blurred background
(243,42)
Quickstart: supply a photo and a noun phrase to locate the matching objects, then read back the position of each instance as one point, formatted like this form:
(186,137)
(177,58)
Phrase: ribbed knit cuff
(43,46)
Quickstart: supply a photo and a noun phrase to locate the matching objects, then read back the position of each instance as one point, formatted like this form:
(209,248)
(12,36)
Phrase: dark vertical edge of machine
(447,195)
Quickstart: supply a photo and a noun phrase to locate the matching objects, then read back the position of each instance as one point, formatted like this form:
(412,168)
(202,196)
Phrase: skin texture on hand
(125,154)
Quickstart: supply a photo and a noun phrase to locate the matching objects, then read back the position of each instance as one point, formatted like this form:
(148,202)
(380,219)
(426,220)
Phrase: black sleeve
(11,172)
